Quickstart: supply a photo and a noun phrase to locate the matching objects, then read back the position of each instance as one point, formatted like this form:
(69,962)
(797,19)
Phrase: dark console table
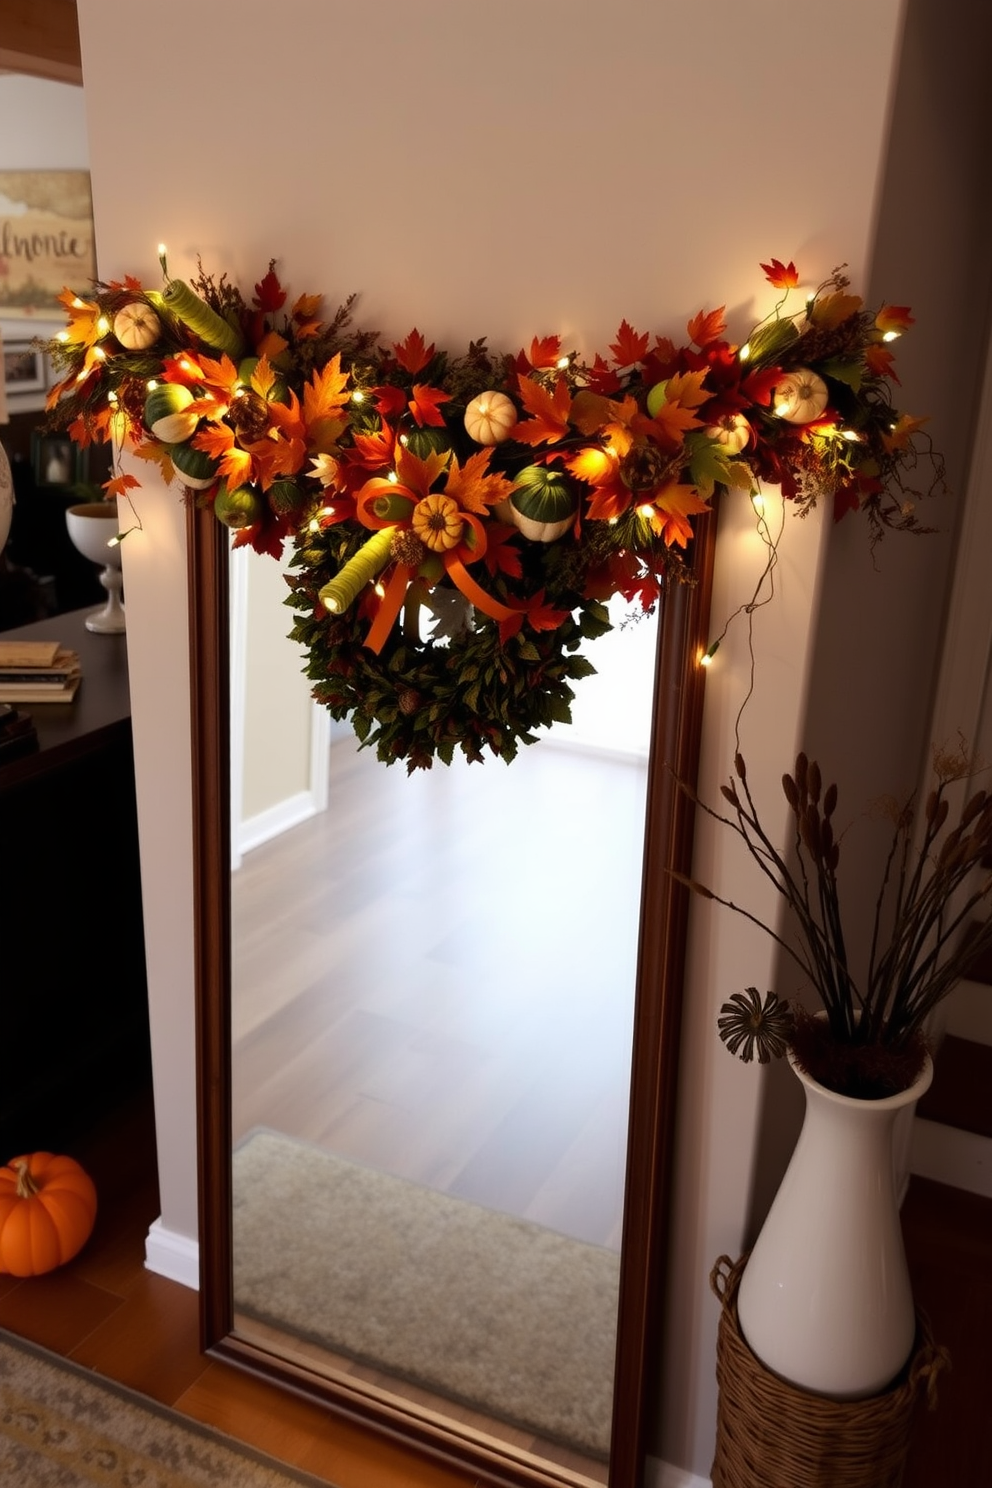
(73,996)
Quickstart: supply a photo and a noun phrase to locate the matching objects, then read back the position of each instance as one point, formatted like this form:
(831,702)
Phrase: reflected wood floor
(436,977)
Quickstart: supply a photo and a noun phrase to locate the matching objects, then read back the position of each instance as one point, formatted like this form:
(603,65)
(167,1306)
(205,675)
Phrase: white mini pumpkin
(136,326)
(801,396)
(490,417)
(731,433)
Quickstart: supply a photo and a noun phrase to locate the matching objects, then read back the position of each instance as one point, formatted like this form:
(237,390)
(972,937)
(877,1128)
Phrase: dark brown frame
(676,732)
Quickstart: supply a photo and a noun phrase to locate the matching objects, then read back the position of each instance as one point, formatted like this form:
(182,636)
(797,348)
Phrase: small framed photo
(24,374)
(56,461)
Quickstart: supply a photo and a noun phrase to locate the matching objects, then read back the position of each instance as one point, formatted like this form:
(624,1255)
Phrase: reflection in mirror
(432,1006)
(444,989)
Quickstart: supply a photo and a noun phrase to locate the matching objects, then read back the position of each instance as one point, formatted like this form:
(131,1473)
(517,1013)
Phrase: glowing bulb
(332,605)
(562,363)
(707,657)
(188,367)
(781,409)
(891,336)
(758,502)
(161,250)
(151,384)
(103,326)
(392,477)
(78,304)
(404,440)
(99,353)
(745,351)
(112,399)
(358,396)
(62,336)
(645,510)
(314,525)
(380,589)
(612,521)
(850,435)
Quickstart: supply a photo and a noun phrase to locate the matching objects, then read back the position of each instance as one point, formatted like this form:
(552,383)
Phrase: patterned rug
(485,1309)
(63,1427)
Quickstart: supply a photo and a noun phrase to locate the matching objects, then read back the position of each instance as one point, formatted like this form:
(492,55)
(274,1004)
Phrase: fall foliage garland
(503,498)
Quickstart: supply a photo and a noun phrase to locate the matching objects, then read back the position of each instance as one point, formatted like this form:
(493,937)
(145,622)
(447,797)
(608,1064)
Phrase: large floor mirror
(438,1044)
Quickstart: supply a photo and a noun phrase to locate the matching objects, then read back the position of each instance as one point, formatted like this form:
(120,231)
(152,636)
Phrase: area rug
(63,1427)
(482,1308)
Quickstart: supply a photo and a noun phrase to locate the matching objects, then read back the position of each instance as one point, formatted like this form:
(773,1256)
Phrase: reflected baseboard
(172,1255)
(658,1474)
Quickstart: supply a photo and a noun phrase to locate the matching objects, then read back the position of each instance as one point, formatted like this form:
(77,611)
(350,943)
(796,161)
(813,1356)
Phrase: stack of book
(37,672)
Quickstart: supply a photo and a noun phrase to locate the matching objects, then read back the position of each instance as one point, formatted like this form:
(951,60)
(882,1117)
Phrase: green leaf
(559,709)
(850,373)
(528,651)
(707,465)
(581,666)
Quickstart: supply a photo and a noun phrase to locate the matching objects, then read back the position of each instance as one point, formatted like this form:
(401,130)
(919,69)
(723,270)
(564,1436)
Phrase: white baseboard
(175,1256)
(277,819)
(947,1155)
(658,1474)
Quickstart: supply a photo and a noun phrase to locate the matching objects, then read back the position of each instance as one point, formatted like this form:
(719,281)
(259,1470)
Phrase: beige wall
(535,168)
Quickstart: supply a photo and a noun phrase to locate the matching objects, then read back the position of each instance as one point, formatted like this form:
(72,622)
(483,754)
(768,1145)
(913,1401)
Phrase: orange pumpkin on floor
(47,1213)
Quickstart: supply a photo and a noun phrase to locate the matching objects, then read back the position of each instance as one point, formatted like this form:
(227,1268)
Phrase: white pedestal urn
(825,1299)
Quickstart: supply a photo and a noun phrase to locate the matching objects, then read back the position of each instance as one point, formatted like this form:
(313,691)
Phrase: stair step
(961,1093)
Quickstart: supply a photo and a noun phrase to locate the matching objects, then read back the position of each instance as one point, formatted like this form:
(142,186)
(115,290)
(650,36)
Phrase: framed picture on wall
(56,461)
(23,370)
(46,240)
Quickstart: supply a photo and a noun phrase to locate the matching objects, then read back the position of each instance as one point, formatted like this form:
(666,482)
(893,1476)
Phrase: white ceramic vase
(825,1299)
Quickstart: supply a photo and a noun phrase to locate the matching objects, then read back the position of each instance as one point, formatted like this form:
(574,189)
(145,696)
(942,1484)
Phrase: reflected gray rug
(63,1427)
(491,1311)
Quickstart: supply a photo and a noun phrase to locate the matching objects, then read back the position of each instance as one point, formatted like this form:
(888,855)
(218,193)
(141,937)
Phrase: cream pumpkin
(136,326)
(801,396)
(731,433)
(490,417)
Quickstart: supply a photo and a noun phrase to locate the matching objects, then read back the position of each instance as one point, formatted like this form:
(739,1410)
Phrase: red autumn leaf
(759,385)
(894,318)
(388,400)
(87,428)
(780,275)
(549,420)
(502,554)
(269,293)
(412,354)
(630,345)
(845,499)
(425,405)
(545,351)
(541,616)
(879,360)
(707,326)
(602,377)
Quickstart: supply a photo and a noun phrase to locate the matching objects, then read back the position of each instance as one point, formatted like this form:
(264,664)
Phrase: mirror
(545,1024)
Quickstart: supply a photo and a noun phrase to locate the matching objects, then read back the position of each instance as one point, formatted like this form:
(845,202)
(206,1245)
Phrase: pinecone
(407,548)
(643,467)
(248,416)
(842,342)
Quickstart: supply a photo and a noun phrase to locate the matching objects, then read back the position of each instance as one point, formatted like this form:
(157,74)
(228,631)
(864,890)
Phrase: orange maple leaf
(879,360)
(271,345)
(119,485)
(417,474)
(222,374)
(707,326)
(545,351)
(425,405)
(473,486)
(157,454)
(272,458)
(324,398)
(630,346)
(218,440)
(88,428)
(894,318)
(590,411)
(305,306)
(549,412)
(412,354)
(782,276)
(673,506)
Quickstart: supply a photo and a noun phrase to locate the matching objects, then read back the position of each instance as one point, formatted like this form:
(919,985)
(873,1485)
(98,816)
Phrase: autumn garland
(503,500)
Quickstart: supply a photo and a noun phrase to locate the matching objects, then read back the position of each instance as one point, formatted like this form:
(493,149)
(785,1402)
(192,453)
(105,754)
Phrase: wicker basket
(772,1435)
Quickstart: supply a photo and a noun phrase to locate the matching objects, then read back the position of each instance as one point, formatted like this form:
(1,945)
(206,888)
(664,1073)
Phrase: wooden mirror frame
(675,742)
